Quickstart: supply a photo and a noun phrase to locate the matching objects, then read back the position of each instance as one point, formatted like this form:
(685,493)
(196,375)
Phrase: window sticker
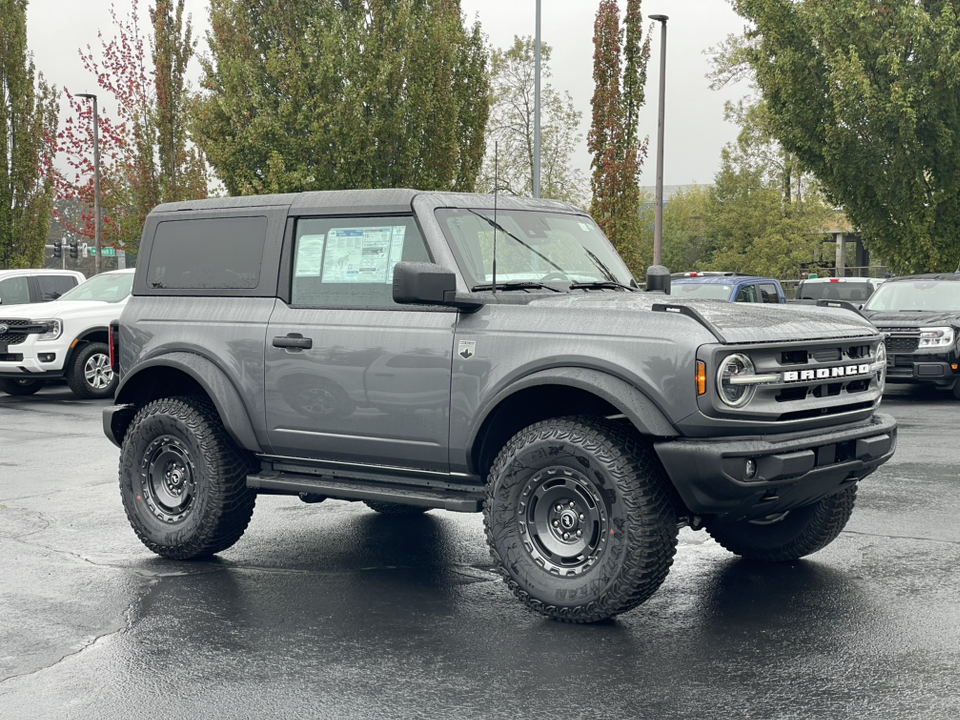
(362,255)
(309,256)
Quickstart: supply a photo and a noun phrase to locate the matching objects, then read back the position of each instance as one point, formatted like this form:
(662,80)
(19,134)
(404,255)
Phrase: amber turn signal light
(701,377)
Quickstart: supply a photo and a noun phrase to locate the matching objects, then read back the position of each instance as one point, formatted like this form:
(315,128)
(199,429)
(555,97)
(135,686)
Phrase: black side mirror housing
(417,283)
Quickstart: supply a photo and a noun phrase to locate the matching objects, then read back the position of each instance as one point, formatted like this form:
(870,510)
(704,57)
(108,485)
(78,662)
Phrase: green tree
(764,217)
(343,94)
(866,95)
(28,129)
(511,124)
(145,150)
(686,243)
(618,153)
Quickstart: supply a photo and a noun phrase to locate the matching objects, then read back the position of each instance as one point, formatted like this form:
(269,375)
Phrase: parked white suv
(65,338)
(32,285)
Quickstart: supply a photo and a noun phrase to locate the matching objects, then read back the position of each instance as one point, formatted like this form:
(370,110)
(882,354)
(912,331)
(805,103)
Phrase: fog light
(750,469)
(47,357)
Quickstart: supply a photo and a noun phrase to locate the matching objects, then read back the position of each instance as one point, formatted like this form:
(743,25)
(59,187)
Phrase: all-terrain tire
(90,374)
(578,518)
(183,479)
(798,533)
(956,390)
(389,508)
(15,386)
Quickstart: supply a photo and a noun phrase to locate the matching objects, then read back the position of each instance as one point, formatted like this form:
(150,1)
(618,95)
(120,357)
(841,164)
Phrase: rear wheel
(90,374)
(16,386)
(956,389)
(789,535)
(183,480)
(578,519)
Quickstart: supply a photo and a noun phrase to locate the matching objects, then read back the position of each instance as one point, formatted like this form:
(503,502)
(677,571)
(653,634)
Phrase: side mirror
(416,283)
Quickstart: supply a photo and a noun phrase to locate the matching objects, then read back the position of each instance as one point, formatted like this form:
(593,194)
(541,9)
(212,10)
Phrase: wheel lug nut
(566,536)
(572,504)
(579,533)
(559,507)
(581,516)
(556,523)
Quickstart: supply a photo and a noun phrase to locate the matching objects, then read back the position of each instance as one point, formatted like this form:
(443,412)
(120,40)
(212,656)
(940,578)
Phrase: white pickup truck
(65,338)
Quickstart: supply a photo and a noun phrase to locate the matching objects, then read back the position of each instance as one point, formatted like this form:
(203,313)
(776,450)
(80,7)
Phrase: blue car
(727,286)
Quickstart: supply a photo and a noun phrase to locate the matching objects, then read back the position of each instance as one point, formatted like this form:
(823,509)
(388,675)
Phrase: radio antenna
(496,188)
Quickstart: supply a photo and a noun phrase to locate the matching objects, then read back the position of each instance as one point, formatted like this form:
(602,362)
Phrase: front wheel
(578,519)
(183,480)
(90,374)
(16,386)
(790,535)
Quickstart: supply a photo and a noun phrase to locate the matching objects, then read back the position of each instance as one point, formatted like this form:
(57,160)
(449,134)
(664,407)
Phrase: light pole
(96,182)
(658,216)
(536,110)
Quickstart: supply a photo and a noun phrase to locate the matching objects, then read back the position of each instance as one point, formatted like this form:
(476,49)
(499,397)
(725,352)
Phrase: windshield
(709,291)
(531,247)
(855,292)
(105,288)
(916,296)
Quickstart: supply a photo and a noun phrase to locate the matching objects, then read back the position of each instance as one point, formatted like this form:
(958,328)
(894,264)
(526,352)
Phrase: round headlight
(733,394)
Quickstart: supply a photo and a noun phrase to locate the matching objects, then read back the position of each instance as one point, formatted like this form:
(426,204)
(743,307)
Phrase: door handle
(293,340)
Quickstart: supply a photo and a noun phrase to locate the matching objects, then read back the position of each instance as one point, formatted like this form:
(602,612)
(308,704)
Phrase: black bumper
(913,369)
(116,420)
(791,471)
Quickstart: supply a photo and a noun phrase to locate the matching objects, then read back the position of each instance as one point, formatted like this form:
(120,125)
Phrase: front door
(350,375)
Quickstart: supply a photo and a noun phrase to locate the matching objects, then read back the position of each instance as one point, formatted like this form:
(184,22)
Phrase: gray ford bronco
(417,350)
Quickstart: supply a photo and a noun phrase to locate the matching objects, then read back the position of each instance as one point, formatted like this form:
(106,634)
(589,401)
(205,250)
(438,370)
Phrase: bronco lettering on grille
(842,371)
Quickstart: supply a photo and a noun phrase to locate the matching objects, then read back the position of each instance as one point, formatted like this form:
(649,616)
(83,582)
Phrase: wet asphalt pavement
(334,611)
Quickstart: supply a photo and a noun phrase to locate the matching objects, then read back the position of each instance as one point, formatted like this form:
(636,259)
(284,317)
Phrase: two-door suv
(419,350)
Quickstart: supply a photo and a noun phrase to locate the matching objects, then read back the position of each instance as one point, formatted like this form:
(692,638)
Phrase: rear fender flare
(214,382)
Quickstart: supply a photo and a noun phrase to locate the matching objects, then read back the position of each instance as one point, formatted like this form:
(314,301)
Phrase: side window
(748,293)
(208,253)
(53,286)
(348,262)
(768,293)
(14,291)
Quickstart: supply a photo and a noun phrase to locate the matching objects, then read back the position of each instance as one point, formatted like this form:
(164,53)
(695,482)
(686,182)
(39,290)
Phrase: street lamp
(658,216)
(536,110)
(96,181)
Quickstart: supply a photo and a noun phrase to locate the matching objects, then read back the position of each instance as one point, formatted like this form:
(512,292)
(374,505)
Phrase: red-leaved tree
(145,153)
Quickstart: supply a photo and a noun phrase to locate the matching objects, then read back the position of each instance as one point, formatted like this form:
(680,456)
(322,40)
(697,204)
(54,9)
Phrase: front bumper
(791,471)
(922,369)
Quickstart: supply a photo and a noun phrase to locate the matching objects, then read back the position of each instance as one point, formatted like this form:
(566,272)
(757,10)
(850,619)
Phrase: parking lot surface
(333,611)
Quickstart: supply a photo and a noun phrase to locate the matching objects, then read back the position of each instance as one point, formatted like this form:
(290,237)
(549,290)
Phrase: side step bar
(446,498)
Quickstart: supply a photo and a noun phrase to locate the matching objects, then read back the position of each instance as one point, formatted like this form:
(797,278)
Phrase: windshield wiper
(601,284)
(498,226)
(516,285)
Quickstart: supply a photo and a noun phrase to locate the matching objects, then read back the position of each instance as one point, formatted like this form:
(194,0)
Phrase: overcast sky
(695,130)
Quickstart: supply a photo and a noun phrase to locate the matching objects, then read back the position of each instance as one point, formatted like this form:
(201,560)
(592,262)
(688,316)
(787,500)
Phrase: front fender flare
(632,402)
(215,383)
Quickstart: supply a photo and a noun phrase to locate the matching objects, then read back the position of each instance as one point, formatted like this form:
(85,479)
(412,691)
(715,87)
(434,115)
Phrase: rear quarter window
(207,254)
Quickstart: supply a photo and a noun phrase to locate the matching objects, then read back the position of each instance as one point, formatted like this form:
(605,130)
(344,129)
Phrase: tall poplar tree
(28,128)
(619,72)
(343,94)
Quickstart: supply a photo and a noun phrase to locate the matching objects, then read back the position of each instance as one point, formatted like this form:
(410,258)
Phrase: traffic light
(58,250)
(73,250)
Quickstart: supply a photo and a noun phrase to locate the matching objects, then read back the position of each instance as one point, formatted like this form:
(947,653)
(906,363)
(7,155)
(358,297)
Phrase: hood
(734,322)
(62,309)
(913,319)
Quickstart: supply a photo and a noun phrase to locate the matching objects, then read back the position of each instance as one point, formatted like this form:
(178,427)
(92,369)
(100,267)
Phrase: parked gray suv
(420,350)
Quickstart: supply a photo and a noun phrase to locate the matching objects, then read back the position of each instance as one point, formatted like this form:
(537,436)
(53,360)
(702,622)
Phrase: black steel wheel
(183,480)
(90,374)
(389,508)
(578,519)
(16,386)
(789,535)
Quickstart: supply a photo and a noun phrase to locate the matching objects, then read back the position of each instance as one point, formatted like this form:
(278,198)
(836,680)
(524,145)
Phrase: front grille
(902,343)
(14,338)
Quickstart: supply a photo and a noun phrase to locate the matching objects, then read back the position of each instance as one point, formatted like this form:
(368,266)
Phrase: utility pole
(658,216)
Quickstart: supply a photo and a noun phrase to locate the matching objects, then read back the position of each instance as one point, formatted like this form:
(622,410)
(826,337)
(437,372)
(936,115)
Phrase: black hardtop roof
(386,200)
(955,277)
